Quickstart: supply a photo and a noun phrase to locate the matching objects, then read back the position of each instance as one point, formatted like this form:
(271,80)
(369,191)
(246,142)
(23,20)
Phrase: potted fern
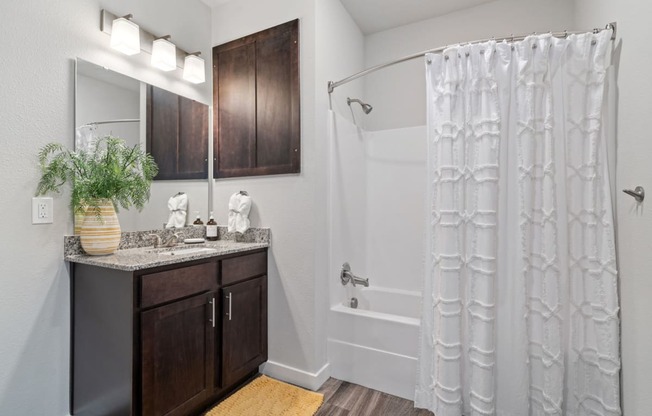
(104,176)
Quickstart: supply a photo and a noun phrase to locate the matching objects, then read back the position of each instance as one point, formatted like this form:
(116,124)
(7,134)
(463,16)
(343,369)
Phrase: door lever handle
(638,193)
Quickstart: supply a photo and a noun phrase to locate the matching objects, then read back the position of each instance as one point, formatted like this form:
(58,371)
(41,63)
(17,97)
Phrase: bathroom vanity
(160,334)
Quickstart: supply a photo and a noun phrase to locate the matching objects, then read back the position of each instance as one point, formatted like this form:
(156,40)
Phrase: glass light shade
(125,36)
(164,55)
(193,69)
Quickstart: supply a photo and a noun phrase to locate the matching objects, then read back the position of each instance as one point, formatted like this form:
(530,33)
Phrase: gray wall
(633,62)
(40,40)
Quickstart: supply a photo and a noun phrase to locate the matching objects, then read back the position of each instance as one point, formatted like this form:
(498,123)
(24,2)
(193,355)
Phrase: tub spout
(346,276)
(363,281)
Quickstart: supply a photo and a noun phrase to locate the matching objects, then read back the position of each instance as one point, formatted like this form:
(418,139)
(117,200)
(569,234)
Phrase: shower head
(365,107)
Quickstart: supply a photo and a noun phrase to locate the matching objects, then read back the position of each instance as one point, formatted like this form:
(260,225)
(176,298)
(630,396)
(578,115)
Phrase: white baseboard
(311,381)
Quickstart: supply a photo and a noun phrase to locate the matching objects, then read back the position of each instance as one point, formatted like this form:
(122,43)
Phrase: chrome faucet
(346,276)
(157,240)
(171,242)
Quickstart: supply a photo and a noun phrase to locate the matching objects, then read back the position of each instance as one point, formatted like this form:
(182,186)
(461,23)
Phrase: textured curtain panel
(520,311)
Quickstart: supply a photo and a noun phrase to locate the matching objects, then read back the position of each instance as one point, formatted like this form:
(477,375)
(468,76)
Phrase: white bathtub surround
(376,345)
(378,216)
(520,311)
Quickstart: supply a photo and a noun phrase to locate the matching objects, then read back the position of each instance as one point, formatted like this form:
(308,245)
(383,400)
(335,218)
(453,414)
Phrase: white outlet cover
(42,211)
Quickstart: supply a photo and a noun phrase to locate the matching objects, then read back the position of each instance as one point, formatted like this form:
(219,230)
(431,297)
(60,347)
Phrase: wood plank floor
(346,399)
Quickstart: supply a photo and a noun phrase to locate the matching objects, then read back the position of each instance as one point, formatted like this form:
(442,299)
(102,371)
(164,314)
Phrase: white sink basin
(187,251)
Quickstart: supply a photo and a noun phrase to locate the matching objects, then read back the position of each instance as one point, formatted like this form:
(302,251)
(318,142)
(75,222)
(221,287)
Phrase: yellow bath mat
(268,397)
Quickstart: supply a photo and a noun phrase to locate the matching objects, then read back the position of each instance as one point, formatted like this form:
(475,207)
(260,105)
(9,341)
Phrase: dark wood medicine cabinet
(256,104)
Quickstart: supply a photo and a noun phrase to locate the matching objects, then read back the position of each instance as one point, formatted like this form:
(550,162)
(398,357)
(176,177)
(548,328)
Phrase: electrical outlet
(42,212)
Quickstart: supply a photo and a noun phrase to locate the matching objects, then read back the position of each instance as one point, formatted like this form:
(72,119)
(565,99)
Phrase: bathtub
(375,345)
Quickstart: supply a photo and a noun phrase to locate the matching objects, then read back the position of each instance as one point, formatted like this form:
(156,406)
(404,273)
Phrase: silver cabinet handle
(638,193)
(212,302)
(230,298)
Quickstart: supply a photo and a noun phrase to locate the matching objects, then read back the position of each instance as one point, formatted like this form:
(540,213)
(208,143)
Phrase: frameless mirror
(110,103)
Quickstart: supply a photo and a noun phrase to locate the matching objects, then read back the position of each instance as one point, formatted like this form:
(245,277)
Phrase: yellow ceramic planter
(100,235)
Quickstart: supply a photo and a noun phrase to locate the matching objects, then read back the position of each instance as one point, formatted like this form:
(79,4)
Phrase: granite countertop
(147,257)
(137,253)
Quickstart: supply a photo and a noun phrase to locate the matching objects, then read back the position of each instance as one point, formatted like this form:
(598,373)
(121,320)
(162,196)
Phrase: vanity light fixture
(125,35)
(193,68)
(164,54)
(128,38)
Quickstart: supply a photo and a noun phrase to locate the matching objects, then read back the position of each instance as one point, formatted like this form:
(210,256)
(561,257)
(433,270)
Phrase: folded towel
(239,207)
(178,206)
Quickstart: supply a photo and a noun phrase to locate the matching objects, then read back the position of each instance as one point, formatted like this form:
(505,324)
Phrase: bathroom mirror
(107,102)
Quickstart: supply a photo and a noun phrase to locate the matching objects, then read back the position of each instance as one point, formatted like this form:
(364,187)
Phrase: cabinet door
(234,98)
(178,356)
(244,329)
(277,95)
(163,130)
(193,139)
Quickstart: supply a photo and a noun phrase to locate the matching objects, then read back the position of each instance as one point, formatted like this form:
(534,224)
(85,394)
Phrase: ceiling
(214,3)
(376,15)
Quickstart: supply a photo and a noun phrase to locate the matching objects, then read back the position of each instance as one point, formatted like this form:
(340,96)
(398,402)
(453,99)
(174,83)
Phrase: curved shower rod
(334,84)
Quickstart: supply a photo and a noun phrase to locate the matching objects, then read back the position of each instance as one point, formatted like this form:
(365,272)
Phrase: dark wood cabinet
(256,104)
(244,328)
(177,135)
(178,356)
(157,342)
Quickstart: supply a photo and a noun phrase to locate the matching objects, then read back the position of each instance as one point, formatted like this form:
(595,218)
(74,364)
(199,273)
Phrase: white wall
(339,52)
(295,206)
(633,61)
(286,203)
(398,92)
(43,38)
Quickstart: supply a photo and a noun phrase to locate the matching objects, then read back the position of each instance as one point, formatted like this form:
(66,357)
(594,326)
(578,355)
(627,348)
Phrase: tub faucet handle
(346,276)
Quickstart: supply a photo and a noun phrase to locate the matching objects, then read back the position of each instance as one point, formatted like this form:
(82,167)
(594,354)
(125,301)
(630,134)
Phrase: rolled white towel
(178,206)
(239,207)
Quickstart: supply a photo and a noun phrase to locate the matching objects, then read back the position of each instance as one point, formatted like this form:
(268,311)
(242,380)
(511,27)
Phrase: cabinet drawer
(241,268)
(165,286)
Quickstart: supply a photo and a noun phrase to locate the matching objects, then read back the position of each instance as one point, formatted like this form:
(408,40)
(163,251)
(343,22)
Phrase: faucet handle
(345,274)
(174,240)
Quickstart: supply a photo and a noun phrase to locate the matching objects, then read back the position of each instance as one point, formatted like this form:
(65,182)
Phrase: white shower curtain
(520,310)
